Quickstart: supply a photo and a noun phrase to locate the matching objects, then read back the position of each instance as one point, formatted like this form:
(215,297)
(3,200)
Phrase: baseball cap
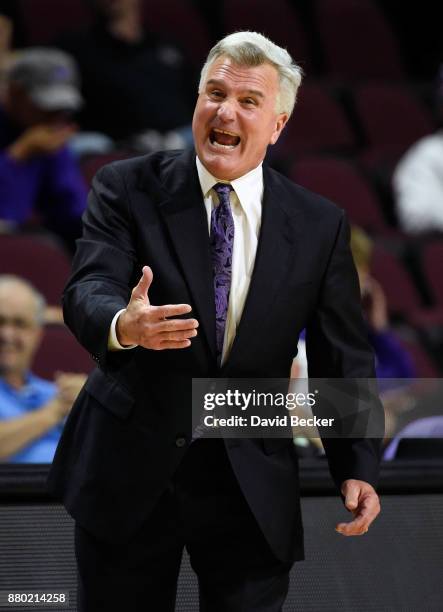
(50,78)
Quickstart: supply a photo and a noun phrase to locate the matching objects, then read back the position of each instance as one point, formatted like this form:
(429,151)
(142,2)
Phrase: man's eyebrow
(253,92)
(256,92)
(214,82)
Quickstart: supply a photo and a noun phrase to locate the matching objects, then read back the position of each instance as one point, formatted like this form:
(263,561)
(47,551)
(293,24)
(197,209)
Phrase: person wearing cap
(38,174)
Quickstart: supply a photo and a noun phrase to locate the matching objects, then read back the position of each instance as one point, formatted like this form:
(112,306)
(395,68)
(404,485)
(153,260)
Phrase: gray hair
(40,302)
(254,49)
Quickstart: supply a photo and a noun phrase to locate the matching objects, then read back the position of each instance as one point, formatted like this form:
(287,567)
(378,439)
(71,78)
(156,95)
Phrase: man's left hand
(364,503)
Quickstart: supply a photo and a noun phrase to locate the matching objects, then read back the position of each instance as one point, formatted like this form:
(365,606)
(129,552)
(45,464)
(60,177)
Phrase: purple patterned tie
(222,242)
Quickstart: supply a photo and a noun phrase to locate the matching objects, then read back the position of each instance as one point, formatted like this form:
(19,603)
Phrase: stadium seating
(38,259)
(392,118)
(401,294)
(318,125)
(339,180)
(60,352)
(91,165)
(357,41)
(43,21)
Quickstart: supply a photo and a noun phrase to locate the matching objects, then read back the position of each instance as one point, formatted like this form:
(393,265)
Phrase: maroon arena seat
(92,164)
(318,125)
(339,181)
(60,352)
(401,294)
(45,20)
(357,41)
(37,259)
(391,116)
(432,258)
(281,24)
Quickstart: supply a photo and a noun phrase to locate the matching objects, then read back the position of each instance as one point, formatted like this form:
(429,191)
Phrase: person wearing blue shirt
(32,410)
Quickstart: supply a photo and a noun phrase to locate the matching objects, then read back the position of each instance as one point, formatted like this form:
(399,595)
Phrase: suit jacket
(131,424)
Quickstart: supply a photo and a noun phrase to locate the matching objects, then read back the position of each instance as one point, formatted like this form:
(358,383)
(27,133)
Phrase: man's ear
(280,123)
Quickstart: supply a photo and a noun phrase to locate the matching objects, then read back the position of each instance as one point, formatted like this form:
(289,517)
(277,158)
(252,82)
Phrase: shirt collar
(242,186)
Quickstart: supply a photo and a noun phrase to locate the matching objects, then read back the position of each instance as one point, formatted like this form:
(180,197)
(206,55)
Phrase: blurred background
(86,82)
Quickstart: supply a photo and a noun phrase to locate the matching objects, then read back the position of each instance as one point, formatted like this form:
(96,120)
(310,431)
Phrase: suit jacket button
(180,442)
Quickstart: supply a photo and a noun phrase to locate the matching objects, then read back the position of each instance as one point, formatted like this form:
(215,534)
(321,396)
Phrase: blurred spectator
(137,88)
(418,181)
(38,175)
(32,410)
(391,359)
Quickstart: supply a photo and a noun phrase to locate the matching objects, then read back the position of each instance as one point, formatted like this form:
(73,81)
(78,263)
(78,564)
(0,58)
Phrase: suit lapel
(275,252)
(185,217)
(183,211)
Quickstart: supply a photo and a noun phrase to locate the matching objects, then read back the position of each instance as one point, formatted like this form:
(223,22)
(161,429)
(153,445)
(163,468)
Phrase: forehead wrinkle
(244,77)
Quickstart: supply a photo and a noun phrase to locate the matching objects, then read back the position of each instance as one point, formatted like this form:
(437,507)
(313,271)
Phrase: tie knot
(223,190)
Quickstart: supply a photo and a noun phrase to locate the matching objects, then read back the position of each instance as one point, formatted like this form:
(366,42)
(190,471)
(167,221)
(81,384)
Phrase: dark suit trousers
(204,510)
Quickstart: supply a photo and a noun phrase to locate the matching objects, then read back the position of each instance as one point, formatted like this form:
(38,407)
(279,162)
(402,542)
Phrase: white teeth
(222,146)
(219,145)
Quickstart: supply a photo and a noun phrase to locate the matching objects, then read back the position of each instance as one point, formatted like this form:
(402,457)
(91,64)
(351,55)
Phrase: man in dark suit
(239,261)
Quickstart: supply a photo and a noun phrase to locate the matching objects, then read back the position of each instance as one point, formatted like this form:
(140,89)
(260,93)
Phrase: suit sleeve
(104,266)
(337,347)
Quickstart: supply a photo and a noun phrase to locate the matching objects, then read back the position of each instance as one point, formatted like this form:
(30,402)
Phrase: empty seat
(39,260)
(432,258)
(339,181)
(281,24)
(401,294)
(357,40)
(318,125)
(392,117)
(60,352)
(92,164)
(45,20)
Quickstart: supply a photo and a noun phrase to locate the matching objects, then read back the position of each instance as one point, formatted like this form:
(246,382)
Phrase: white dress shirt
(246,205)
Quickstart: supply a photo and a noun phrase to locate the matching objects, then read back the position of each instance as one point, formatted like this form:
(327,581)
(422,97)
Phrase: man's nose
(226,111)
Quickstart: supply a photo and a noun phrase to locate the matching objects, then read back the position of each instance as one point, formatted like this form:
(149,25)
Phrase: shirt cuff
(113,343)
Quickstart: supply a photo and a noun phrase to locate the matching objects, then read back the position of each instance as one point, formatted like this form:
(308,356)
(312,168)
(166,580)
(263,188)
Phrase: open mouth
(223,138)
